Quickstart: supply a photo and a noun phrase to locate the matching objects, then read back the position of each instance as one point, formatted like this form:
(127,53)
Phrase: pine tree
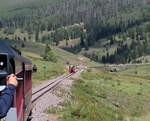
(66,42)
(37,35)
(82,40)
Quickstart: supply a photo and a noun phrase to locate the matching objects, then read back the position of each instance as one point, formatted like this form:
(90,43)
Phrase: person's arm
(7,95)
(6,99)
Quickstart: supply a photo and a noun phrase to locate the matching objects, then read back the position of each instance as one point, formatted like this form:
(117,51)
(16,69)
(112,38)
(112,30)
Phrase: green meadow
(101,95)
(34,52)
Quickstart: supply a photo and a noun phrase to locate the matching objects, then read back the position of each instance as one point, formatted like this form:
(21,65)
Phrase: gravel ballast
(50,99)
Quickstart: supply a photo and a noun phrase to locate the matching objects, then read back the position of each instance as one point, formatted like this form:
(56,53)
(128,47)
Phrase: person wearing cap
(6,99)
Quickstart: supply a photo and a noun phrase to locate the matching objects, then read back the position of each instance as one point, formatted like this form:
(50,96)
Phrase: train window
(3,62)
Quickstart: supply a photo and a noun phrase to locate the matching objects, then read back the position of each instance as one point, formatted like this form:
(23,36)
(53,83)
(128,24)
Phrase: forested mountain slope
(91,21)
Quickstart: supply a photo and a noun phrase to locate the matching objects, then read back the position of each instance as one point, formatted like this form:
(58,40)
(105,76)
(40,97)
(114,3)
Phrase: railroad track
(49,86)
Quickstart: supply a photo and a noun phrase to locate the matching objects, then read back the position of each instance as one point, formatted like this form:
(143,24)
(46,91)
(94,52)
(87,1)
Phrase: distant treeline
(131,44)
(101,18)
(139,36)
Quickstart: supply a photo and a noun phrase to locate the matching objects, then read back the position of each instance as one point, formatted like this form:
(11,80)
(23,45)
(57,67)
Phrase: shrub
(50,57)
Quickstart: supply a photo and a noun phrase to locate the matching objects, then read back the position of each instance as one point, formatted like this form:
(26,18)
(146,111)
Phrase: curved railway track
(44,89)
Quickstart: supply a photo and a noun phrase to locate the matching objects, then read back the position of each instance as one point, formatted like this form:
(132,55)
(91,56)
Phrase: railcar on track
(72,69)
(13,62)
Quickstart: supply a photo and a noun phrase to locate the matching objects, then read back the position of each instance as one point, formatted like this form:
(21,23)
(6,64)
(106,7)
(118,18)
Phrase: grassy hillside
(52,70)
(124,47)
(33,51)
(62,55)
(99,29)
(100,95)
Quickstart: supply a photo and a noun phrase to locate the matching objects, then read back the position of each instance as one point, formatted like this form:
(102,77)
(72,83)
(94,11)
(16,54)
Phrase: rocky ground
(51,99)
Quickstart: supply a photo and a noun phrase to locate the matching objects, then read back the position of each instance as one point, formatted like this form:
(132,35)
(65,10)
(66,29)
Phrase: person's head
(12,79)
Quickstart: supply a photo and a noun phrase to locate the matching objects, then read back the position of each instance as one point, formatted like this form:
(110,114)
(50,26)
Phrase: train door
(27,90)
(19,95)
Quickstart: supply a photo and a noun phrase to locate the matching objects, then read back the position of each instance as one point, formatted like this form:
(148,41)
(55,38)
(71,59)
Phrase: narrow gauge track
(39,93)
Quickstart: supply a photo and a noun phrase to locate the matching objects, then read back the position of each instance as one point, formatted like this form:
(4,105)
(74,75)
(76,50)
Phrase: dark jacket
(6,100)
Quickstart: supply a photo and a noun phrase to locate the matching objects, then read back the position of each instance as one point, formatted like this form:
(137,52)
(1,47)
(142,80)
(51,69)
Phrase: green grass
(33,51)
(100,50)
(99,95)
(53,110)
(142,71)
(71,42)
(63,56)
(53,69)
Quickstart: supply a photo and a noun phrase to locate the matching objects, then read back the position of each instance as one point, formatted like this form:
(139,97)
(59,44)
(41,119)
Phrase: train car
(72,69)
(22,68)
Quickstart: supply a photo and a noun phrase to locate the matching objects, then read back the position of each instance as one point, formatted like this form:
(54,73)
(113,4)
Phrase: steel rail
(48,85)
(57,81)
